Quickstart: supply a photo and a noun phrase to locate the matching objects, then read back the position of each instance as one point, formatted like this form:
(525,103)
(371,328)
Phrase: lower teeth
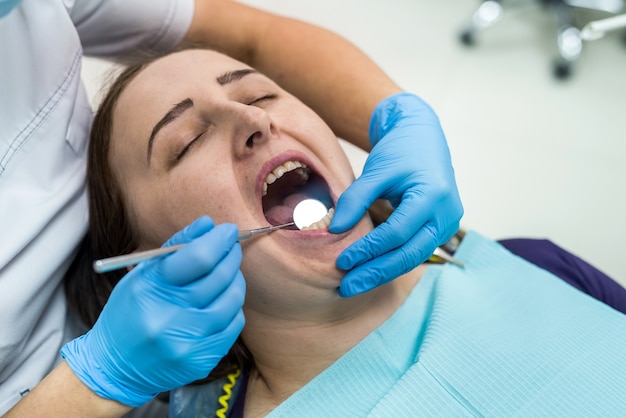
(322,223)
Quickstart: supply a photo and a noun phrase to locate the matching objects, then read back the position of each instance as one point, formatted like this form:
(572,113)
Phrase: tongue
(283,213)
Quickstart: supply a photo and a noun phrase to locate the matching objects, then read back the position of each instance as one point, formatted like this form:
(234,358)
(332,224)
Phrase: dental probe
(441,253)
(118,262)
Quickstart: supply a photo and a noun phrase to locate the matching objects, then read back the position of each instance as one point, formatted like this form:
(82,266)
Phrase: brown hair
(110,231)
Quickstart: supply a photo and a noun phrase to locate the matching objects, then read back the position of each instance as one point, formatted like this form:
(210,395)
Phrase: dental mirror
(308,212)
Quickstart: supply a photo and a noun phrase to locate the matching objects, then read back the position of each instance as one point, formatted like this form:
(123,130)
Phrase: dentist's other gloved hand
(410,166)
(168,322)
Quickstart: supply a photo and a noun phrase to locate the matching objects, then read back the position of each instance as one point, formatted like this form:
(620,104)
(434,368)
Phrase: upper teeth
(286,167)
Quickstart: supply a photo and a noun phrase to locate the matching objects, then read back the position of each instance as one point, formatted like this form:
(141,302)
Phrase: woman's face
(199,133)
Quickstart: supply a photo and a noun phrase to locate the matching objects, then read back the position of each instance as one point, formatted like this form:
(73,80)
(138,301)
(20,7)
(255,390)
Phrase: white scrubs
(45,119)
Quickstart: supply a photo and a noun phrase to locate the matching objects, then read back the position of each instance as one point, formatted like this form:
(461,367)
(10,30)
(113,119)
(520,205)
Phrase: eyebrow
(236,75)
(179,108)
(173,113)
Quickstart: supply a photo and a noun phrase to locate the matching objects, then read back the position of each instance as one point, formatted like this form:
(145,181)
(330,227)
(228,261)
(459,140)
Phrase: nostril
(250,141)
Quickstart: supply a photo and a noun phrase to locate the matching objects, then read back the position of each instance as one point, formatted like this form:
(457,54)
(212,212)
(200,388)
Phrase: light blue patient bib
(499,338)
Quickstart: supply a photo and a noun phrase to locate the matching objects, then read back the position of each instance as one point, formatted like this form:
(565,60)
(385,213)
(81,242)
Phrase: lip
(302,237)
(272,163)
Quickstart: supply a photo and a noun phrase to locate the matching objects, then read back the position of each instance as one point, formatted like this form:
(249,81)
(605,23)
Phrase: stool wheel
(562,70)
(467,38)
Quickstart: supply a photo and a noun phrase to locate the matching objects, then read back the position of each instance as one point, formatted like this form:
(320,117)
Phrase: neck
(289,353)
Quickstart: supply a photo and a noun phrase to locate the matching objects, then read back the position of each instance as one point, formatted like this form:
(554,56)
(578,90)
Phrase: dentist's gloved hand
(410,166)
(168,322)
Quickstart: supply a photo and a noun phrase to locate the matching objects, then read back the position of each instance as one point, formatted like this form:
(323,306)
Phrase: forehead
(180,72)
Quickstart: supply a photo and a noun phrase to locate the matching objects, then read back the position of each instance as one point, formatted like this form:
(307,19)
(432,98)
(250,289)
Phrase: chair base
(569,39)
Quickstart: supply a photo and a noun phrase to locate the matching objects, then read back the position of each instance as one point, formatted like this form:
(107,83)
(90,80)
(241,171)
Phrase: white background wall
(534,157)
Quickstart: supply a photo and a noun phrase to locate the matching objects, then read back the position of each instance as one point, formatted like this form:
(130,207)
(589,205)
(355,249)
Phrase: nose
(252,127)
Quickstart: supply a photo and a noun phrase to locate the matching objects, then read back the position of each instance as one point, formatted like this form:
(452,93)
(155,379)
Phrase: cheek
(213,193)
(163,208)
(320,139)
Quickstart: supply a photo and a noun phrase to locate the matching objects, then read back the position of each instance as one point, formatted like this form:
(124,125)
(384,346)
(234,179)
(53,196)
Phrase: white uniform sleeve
(45,119)
(112,28)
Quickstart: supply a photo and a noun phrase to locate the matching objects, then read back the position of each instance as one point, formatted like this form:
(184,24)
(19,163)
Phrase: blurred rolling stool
(569,38)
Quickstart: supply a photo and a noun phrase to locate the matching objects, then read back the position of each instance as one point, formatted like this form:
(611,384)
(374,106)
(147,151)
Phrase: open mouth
(286,186)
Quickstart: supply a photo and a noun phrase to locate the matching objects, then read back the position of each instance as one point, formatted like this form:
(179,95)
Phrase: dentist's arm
(62,394)
(167,323)
(409,162)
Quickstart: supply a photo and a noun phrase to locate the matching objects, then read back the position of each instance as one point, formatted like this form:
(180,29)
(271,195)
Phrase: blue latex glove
(168,322)
(410,166)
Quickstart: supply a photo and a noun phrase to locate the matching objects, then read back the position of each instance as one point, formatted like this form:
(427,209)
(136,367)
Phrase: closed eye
(187,147)
(261,99)
(181,154)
